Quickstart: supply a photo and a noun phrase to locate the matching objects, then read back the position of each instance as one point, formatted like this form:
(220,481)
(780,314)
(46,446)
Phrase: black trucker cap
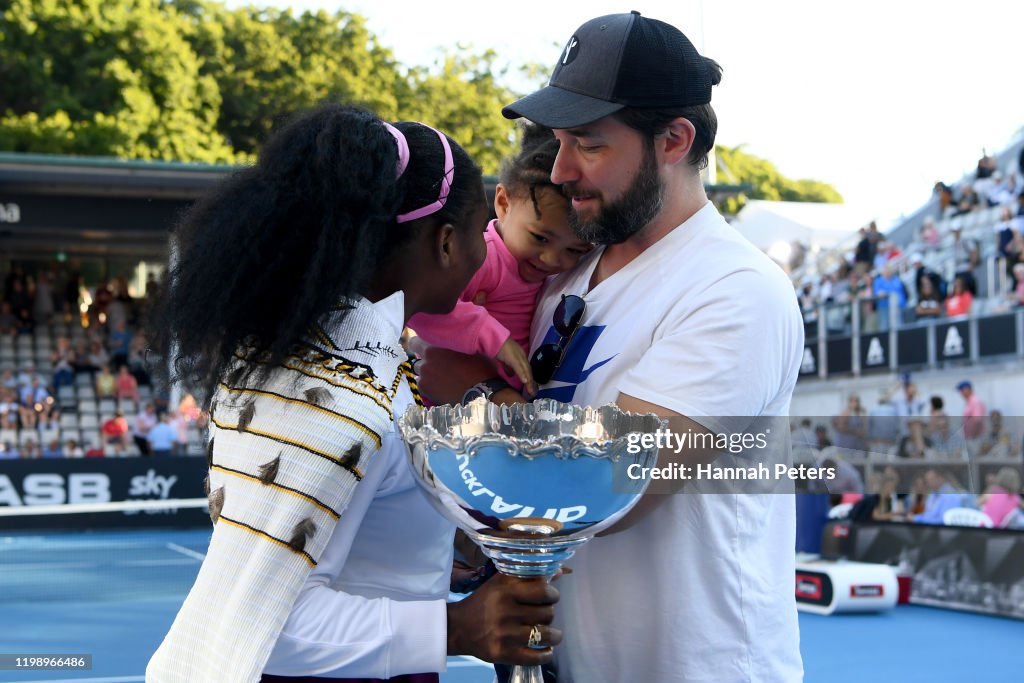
(617,61)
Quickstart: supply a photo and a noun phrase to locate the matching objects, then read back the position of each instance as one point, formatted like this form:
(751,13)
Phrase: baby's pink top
(508,306)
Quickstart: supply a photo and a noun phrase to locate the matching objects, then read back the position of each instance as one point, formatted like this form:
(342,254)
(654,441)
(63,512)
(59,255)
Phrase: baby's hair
(531,168)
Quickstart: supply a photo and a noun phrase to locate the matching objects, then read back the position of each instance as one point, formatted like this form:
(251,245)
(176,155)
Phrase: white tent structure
(819,226)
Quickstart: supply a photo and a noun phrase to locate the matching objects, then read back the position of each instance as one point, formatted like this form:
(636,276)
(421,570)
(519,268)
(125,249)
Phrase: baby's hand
(513,356)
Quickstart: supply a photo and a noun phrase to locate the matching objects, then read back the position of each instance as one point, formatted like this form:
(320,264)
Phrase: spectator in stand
(9,404)
(1003,498)
(808,299)
(63,361)
(179,422)
(968,201)
(28,374)
(942,496)
(966,258)
(1006,192)
(100,301)
(98,356)
(1018,277)
(81,349)
(48,418)
(821,440)
(864,256)
(945,442)
(8,380)
(868,313)
(93,451)
(930,236)
(127,386)
(120,307)
(137,359)
(998,441)
(887,284)
(29,450)
(974,412)
(851,425)
(929,301)
(887,253)
(911,411)
(119,343)
(144,422)
(922,271)
(163,438)
(21,305)
(9,324)
(945,195)
(883,424)
(918,496)
(53,449)
(34,399)
(115,432)
(106,383)
(42,304)
(960,300)
(988,166)
(886,505)
(73,450)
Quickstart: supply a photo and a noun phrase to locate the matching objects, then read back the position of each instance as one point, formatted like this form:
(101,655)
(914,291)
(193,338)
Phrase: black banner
(101,480)
(978,570)
(840,355)
(912,347)
(953,341)
(997,336)
(110,214)
(874,351)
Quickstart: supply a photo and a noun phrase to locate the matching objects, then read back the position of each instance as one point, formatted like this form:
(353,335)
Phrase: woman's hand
(496,622)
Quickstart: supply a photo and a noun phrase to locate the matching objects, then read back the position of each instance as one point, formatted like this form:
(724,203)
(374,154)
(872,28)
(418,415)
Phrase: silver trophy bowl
(530,482)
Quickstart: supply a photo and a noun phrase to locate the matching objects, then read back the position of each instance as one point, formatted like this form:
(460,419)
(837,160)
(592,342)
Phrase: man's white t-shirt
(705,325)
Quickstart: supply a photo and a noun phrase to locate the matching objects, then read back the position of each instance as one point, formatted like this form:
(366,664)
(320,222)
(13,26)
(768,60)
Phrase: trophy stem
(526,674)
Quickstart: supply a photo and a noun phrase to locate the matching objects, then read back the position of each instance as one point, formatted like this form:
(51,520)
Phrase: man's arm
(658,492)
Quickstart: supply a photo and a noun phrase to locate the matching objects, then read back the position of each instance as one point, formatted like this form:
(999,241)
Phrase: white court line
(112,679)
(44,566)
(185,551)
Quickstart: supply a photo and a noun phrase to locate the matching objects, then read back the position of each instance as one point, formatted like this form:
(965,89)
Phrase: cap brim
(557,108)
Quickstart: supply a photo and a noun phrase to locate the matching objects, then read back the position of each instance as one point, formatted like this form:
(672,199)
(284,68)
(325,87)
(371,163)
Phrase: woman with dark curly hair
(292,284)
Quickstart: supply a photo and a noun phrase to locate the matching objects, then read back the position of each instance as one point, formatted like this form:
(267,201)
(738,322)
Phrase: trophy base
(527,554)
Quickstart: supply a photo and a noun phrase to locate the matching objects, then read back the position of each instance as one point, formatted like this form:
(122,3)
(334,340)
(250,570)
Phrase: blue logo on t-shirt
(571,372)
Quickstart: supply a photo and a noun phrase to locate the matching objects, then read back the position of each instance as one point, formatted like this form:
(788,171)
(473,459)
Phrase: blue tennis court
(113,594)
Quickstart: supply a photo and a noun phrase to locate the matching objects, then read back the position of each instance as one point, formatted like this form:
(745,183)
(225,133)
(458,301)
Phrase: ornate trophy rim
(417,426)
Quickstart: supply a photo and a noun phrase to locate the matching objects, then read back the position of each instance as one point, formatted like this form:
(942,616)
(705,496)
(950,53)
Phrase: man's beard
(618,221)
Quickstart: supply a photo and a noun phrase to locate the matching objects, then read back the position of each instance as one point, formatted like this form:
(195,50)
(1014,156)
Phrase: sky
(878,98)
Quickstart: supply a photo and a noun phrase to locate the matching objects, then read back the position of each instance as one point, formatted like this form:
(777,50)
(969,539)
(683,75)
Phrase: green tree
(464,98)
(766,182)
(92,77)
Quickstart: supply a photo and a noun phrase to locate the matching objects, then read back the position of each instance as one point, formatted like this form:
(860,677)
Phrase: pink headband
(403,162)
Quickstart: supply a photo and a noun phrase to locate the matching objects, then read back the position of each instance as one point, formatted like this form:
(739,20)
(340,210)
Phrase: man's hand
(495,622)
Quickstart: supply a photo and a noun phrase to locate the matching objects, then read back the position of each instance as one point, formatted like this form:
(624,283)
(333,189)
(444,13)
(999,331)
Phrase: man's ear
(501,201)
(677,140)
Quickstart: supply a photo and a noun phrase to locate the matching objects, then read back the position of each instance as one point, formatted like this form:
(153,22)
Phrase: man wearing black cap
(685,318)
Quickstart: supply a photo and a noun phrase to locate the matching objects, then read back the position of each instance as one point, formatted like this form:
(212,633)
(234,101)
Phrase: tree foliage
(766,182)
(191,80)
